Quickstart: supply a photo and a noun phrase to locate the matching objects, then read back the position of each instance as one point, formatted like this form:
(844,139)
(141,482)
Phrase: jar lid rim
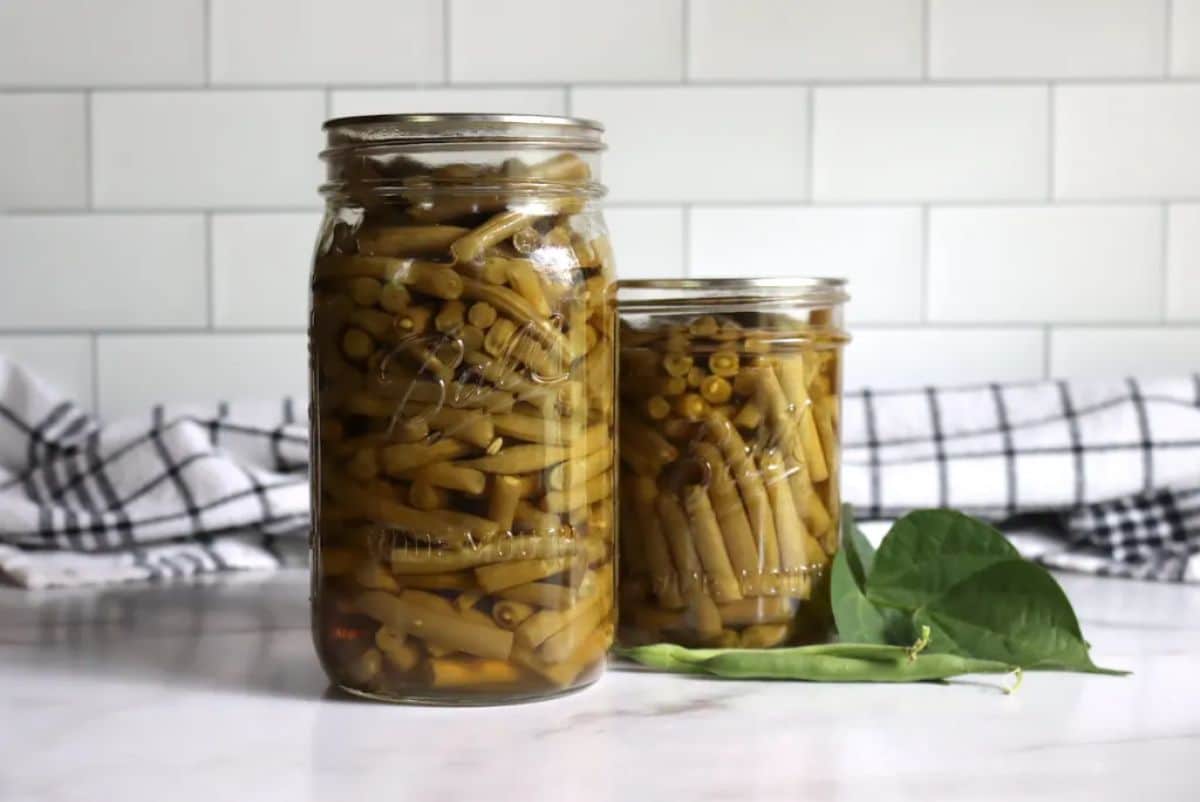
(458,131)
(654,294)
(461,117)
(774,283)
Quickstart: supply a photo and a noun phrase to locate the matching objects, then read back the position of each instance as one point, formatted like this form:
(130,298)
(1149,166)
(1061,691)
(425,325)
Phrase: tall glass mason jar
(730,407)
(461,338)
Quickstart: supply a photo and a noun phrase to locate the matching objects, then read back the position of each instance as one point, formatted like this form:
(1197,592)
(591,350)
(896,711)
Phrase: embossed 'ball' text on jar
(462,354)
(730,399)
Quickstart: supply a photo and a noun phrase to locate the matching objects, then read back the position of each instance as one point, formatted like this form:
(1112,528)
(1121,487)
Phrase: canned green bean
(462,330)
(730,412)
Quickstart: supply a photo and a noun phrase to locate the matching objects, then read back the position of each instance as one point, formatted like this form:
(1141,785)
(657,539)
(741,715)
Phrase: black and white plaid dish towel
(1103,477)
(177,492)
(1096,476)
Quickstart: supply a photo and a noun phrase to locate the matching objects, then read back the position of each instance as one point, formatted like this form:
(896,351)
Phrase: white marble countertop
(211,692)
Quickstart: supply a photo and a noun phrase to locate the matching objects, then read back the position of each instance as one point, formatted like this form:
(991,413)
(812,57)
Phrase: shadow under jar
(730,409)
(461,338)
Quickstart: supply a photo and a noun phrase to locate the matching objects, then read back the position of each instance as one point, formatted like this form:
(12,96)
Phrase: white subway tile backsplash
(136,371)
(983,171)
(742,143)
(349,103)
(326,41)
(916,357)
(42,143)
(1030,264)
(194,149)
(541,41)
(1185,37)
(102,271)
(930,143)
(1133,142)
(1183,263)
(804,39)
(1046,38)
(877,249)
(64,361)
(115,42)
(1116,351)
(260,268)
(647,243)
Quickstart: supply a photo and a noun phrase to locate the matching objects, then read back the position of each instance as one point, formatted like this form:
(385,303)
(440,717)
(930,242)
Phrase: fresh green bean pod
(836,662)
(826,662)
(817,667)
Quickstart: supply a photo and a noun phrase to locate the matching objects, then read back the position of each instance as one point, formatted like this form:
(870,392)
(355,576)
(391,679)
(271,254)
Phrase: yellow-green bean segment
(729,428)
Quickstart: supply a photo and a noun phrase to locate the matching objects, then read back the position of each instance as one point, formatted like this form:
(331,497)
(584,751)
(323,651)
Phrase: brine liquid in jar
(462,350)
(730,407)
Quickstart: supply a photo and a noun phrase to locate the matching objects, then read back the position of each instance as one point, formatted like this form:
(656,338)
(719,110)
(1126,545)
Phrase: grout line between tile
(149,331)
(948,325)
(446,42)
(1165,259)
(1051,144)
(687,240)
(685,46)
(902,82)
(1047,345)
(207,54)
(810,146)
(1027,325)
(926,38)
(1168,25)
(89,159)
(926,287)
(157,211)
(209,286)
(627,203)
(94,347)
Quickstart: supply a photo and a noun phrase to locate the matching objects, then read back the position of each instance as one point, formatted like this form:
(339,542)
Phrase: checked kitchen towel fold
(1113,465)
(179,491)
(1107,472)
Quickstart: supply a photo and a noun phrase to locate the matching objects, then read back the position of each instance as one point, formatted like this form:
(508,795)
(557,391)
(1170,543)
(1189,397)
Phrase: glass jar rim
(440,130)
(663,294)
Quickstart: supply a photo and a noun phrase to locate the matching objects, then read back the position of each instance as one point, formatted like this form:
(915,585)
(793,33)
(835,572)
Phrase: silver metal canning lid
(648,295)
(447,129)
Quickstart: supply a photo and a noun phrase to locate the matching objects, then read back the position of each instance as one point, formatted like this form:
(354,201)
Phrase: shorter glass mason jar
(730,407)
(462,351)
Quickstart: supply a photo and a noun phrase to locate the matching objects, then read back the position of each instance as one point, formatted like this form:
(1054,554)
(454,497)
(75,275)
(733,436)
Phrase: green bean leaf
(858,550)
(1011,611)
(856,618)
(860,621)
(929,551)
